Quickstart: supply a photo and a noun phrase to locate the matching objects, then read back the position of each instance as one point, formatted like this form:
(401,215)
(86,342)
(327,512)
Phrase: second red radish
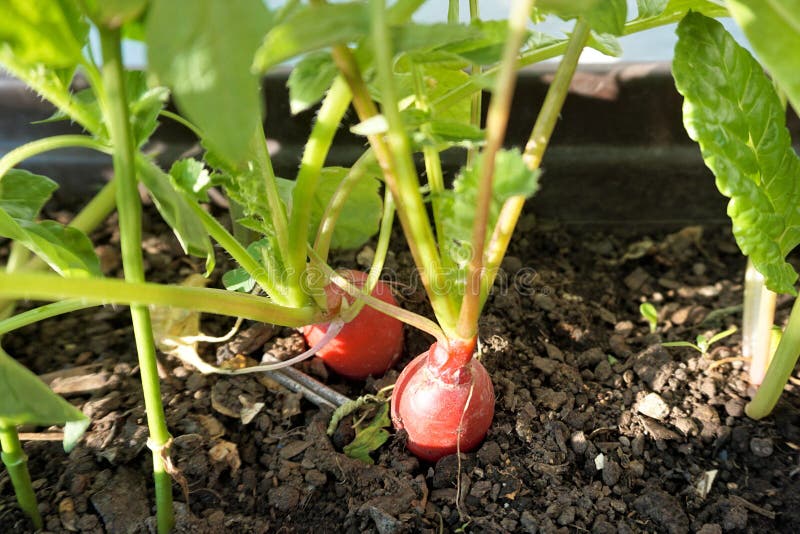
(367,345)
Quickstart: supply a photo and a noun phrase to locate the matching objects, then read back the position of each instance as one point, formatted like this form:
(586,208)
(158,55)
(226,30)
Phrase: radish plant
(735,114)
(415,89)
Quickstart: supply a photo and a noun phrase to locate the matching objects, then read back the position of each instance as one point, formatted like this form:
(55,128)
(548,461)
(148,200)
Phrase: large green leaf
(25,399)
(512,177)
(202,50)
(144,102)
(361,215)
(309,80)
(731,109)
(773,28)
(174,207)
(23,194)
(603,16)
(650,8)
(311,28)
(114,13)
(48,32)
(67,250)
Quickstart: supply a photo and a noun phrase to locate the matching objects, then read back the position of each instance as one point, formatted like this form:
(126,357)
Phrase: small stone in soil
(551,399)
(761,447)
(611,473)
(652,405)
(578,442)
(649,363)
(489,453)
(663,510)
(119,512)
(284,498)
(734,407)
(385,523)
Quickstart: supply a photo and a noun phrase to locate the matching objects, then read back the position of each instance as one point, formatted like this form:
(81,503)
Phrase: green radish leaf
(311,28)
(411,37)
(24,194)
(175,208)
(309,80)
(512,177)
(605,43)
(709,8)
(265,252)
(67,250)
(26,400)
(114,13)
(603,16)
(238,280)
(730,108)
(650,8)
(202,50)
(451,133)
(144,103)
(370,437)
(191,177)
(362,211)
(773,28)
(47,32)
(486,48)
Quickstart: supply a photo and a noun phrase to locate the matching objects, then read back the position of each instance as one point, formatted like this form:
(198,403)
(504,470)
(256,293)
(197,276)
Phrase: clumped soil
(598,427)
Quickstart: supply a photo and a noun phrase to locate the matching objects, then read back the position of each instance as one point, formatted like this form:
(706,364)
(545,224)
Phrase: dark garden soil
(598,428)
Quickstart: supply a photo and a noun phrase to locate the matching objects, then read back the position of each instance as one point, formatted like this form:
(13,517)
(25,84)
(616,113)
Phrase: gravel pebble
(761,447)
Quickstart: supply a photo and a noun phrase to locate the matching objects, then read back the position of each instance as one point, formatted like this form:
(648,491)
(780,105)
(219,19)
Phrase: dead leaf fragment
(212,425)
(66,512)
(226,452)
(250,409)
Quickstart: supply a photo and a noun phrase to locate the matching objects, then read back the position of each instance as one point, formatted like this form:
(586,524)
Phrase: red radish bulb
(444,395)
(367,345)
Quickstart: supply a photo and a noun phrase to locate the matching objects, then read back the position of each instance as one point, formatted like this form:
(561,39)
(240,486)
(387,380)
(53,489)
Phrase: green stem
(294,292)
(40,313)
(406,187)
(496,122)
(534,150)
(452,11)
(243,234)
(99,291)
(758,314)
(16,461)
(115,107)
(433,169)
(34,148)
(316,151)
(418,321)
(97,209)
(381,249)
(182,121)
(779,370)
(477,98)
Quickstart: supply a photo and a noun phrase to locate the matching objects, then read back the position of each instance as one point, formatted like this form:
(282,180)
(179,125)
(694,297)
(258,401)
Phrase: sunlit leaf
(25,399)
(175,209)
(202,50)
(773,28)
(731,109)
